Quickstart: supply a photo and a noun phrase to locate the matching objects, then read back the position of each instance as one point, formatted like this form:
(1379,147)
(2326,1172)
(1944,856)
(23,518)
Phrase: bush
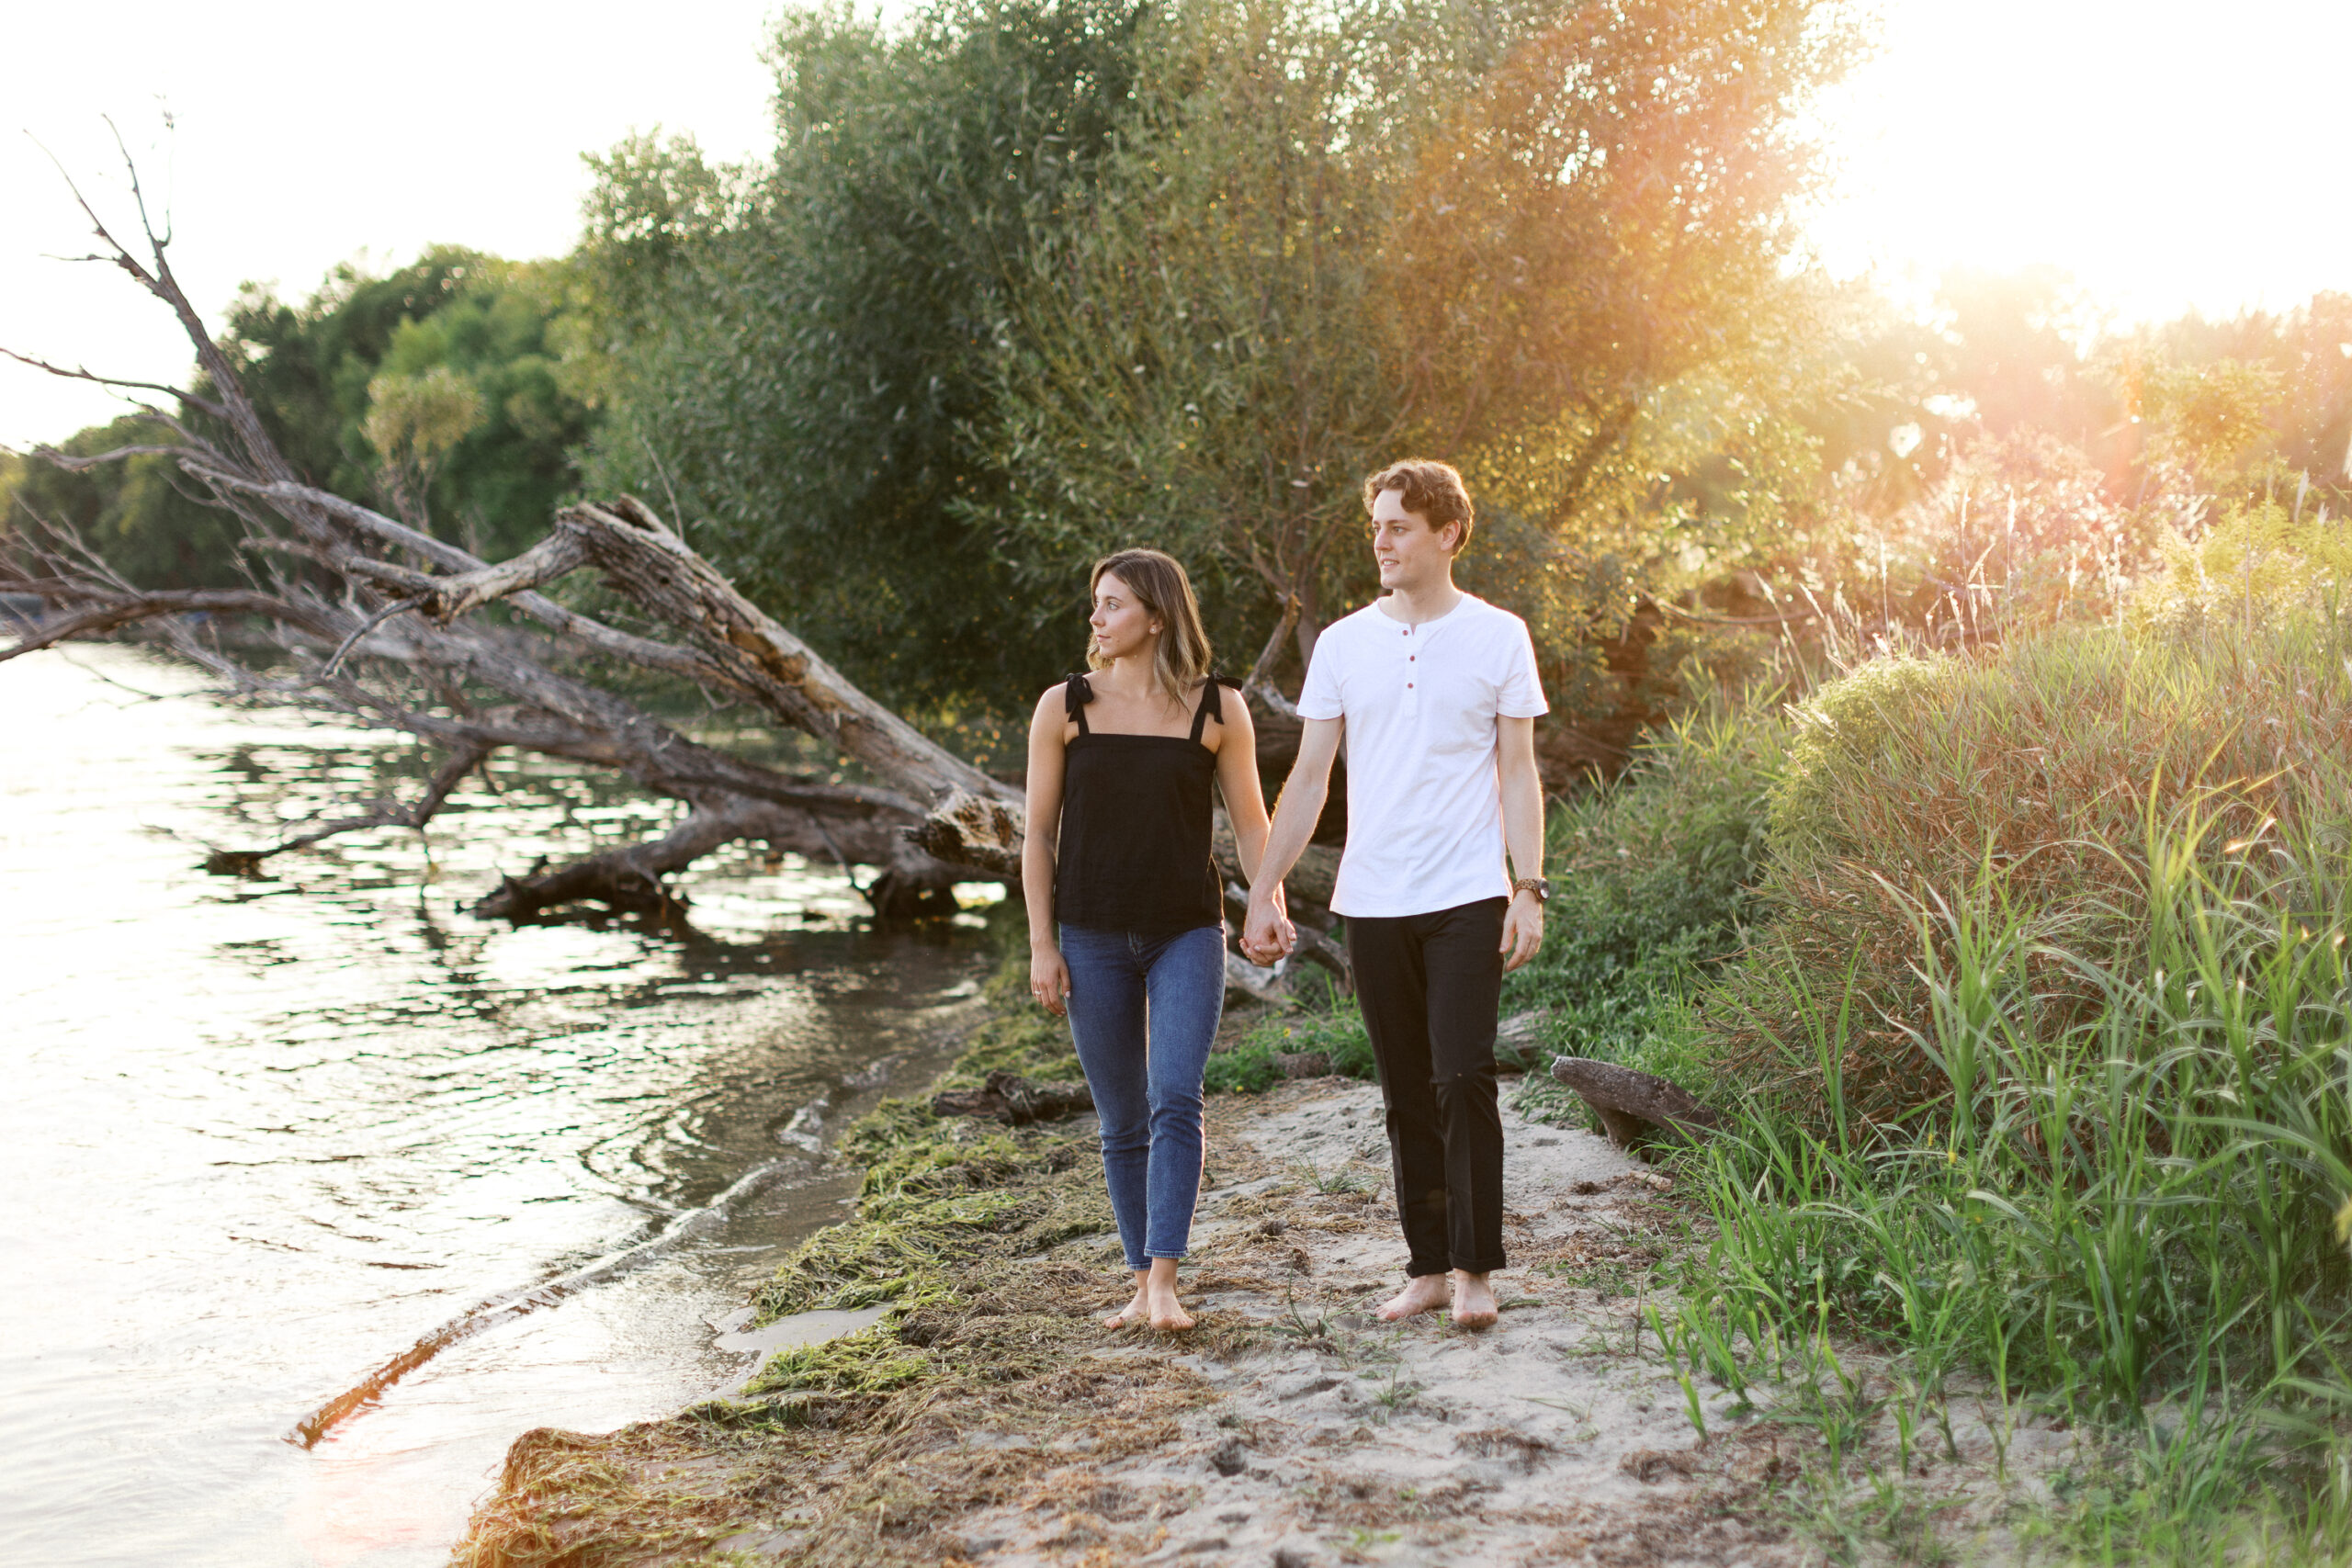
(1652,876)
(2125,1212)
(2063,768)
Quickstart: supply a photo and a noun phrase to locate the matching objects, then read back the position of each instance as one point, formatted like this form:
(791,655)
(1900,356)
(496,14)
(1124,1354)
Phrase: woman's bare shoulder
(1054,701)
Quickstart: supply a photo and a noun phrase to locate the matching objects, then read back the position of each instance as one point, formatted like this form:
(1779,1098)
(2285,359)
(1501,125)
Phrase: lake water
(259,1137)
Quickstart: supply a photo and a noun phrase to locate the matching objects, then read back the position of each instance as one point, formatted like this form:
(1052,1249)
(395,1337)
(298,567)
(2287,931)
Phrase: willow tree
(1554,243)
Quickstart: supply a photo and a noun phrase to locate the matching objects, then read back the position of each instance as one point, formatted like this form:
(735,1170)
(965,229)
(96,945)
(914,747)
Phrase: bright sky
(307,133)
(2167,155)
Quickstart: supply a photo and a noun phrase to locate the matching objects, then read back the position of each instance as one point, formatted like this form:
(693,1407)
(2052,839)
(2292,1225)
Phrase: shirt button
(1408,685)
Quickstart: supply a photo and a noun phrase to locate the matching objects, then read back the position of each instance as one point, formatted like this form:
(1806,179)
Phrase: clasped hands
(1266,933)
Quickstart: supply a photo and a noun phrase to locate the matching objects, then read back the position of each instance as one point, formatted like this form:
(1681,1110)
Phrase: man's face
(1411,554)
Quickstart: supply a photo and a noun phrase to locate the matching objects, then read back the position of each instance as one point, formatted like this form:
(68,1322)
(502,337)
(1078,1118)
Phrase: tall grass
(2050,761)
(2044,1070)
(2113,1206)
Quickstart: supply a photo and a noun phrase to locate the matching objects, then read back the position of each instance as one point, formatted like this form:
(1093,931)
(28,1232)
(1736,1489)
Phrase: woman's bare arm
(1049,976)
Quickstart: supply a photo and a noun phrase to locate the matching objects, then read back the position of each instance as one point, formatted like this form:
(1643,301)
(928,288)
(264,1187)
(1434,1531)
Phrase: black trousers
(1429,985)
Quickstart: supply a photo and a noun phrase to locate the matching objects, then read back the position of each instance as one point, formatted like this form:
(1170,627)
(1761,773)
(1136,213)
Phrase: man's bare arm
(1523,792)
(1266,935)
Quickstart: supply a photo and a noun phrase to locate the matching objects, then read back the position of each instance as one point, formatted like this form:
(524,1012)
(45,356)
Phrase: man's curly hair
(1429,488)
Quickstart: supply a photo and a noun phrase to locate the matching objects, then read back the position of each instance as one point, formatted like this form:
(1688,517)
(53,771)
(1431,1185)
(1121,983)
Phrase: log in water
(264,1143)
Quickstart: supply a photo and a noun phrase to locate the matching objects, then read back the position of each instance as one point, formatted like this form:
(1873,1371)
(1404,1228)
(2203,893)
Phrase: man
(1436,693)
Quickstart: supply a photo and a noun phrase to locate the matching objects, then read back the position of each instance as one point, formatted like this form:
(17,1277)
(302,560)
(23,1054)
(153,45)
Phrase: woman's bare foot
(1422,1292)
(1474,1303)
(1158,1294)
(1134,1312)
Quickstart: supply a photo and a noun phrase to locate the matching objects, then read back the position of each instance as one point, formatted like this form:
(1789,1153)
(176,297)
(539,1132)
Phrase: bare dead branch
(107,615)
(342,649)
(81,373)
(557,555)
(631,879)
(73,465)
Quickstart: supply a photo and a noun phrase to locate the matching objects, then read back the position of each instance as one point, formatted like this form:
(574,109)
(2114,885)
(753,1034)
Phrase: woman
(1120,763)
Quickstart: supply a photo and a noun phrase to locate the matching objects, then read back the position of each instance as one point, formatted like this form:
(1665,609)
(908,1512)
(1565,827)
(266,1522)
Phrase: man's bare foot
(1474,1303)
(1134,1312)
(1422,1292)
(1159,1295)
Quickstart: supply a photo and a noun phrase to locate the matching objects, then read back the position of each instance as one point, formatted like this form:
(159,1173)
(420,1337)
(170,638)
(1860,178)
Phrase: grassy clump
(1326,1022)
(2043,1073)
(2061,763)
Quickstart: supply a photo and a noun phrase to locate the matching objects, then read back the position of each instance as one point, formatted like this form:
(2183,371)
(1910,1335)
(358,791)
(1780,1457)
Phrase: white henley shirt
(1424,816)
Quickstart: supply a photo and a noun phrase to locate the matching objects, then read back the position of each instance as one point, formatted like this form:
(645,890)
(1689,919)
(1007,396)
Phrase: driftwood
(1015,1100)
(1635,1109)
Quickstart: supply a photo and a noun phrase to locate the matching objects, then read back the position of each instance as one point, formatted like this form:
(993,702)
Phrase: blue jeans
(1143,1010)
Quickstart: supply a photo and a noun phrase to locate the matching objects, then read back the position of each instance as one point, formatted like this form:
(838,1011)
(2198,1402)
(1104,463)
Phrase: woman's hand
(1048,977)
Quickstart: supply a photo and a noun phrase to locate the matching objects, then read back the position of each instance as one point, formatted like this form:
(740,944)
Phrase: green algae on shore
(849,1451)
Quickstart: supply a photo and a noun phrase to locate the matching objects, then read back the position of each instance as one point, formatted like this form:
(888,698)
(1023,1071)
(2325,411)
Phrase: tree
(799,354)
(1552,244)
(447,361)
(450,360)
(369,628)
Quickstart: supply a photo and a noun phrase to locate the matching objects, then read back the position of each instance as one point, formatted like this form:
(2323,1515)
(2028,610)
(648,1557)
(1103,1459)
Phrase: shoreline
(987,1417)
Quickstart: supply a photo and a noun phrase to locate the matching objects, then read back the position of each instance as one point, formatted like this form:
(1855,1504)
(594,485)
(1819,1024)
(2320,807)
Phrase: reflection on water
(258,1136)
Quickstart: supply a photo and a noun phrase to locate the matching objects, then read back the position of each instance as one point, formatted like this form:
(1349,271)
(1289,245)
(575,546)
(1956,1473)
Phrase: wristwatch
(1535,884)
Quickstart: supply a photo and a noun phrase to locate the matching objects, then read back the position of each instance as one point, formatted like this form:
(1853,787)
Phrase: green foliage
(802,352)
(2261,563)
(136,514)
(431,391)
(1335,234)
(1652,876)
(451,362)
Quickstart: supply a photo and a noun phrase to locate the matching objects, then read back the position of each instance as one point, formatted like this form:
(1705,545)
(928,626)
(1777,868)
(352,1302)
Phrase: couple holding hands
(1434,691)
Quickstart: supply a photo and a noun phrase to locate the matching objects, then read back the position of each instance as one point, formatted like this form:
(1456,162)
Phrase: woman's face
(1122,627)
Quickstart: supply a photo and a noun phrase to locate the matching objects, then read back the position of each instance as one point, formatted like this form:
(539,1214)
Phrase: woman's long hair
(1159,583)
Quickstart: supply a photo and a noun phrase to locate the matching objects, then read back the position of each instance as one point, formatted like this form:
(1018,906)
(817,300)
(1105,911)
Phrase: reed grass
(2043,1073)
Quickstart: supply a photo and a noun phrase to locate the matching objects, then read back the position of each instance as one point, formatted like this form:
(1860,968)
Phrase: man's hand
(1523,929)
(1267,935)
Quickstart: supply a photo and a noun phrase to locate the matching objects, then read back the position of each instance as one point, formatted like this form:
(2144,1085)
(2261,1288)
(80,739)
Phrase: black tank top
(1134,852)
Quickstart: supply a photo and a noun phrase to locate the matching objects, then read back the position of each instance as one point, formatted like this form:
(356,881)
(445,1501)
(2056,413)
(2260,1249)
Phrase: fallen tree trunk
(384,624)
